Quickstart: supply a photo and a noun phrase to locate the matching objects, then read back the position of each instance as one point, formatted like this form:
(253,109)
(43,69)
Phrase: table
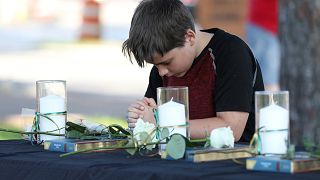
(20,160)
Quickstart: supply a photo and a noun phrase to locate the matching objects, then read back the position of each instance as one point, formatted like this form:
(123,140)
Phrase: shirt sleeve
(234,77)
(155,81)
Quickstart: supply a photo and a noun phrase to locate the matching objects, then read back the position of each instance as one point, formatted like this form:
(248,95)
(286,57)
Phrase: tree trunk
(299,23)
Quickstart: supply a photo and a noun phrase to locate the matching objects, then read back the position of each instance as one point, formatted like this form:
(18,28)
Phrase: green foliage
(164,133)
(76,131)
(290,152)
(70,126)
(176,143)
(207,144)
(131,146)
(176,146)
(312,148)
(116,129)
(197,142)
(145,139)
(309,146)
(73,134)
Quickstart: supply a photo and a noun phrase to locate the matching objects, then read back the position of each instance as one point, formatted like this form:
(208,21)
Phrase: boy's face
(177,61)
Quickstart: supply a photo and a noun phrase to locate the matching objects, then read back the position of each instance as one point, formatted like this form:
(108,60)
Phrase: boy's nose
(162,71)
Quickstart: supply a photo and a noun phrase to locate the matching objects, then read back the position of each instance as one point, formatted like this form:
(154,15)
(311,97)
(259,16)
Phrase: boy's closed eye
(166,63)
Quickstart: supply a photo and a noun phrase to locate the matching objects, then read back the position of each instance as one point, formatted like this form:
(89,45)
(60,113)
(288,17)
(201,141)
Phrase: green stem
(22,132)
(315,156)
(198,140)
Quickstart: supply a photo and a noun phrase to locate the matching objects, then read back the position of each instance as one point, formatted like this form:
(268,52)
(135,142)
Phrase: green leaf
(73,134)
(116,129)
(176,146)
(317,151)
(164,133)
(196,142)
(143,136)
(207,144)
(131,150)
(290,152)
(113,130)
(150,147)
(72,126)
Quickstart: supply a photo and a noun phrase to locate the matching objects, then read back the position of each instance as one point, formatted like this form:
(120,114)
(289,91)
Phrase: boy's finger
(141,105)
(133,115)
(138,105)
(132,120)
(131,125)
(150,101)
(135,110)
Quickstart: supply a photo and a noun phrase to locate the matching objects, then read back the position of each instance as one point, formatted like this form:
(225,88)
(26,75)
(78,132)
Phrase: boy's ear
(190,36)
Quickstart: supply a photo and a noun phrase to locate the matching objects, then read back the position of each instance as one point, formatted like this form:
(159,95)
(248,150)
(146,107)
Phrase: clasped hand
(141,109)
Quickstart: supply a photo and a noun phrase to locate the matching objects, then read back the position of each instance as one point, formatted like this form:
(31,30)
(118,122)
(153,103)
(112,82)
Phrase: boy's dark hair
(157,26)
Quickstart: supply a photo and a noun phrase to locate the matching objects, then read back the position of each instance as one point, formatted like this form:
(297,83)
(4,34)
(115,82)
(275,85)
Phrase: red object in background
(264,13)
(90,20)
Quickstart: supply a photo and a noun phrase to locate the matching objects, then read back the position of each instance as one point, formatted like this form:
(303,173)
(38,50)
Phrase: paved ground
(100,80)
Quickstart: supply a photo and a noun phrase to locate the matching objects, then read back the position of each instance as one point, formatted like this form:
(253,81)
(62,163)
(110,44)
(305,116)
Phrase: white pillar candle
(173,114)
(52,104)
(274,117)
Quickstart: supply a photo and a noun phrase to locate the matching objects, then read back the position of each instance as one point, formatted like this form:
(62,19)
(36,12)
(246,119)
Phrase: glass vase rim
(271,92)
(50,81)
(172,87)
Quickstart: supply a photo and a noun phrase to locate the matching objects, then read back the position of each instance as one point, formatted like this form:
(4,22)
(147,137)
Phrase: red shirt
(201,82)
(265,14)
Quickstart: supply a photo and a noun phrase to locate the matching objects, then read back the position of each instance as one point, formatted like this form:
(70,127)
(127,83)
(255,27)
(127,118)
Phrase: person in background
(262,37)
(218,68)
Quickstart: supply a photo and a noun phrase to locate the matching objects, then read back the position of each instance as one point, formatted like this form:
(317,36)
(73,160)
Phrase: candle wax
(274,117)
(52,104)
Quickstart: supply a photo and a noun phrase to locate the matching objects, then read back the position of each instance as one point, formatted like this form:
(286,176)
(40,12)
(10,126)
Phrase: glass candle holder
(272,121)
(51,98)
(173,110)
(27,116)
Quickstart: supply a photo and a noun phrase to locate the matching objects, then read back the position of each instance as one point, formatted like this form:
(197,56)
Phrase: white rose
(142,126)
(222,137)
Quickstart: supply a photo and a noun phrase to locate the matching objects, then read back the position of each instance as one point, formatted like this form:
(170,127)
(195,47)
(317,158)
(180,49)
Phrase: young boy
(219,69)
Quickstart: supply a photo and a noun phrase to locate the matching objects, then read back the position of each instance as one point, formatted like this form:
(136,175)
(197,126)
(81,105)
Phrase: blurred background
(80,41)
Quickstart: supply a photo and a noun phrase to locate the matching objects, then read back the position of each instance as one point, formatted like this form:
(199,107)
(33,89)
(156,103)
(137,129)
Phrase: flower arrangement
(146,136)
(142,139)
(142,128)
